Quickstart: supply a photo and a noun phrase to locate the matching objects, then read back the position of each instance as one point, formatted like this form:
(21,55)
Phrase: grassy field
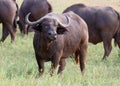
(18,65)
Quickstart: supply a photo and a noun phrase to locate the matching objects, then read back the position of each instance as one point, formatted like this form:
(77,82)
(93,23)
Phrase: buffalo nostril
(49,33)
(55,34)
(52,33)
(52,36)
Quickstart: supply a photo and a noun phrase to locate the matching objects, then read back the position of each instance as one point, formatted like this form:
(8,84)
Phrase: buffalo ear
(61,30)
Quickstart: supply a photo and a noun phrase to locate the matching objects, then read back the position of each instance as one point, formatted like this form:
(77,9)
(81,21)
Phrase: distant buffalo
(38,8)
(8,15)
(58,36)
(103,24)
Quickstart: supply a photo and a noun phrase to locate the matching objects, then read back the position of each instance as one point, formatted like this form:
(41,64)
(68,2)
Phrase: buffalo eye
(45,27)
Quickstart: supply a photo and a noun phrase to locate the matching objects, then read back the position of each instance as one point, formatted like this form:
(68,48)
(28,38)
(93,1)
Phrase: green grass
(18,65)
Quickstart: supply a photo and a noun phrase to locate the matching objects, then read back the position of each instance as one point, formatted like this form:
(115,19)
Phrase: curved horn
(27,19)
(64,25)
(35,22)
(49,17)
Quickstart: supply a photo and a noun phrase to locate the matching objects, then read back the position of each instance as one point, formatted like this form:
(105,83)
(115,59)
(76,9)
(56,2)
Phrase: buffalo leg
(5,33)
(27,29)
(21,26)
(77,57)
(62,66)
(40,63)
(117,38)
(12,34)
(82,59)
(107,48)
(55,62)
(11,31)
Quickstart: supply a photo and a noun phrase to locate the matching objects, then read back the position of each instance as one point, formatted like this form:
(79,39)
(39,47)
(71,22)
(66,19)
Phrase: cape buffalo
(38,8)
(8,14)
(58,36)
(103,24)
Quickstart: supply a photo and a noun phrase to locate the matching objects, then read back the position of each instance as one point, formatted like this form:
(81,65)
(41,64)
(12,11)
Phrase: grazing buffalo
(58,36)
(103,24)
(38,8)
(8,14)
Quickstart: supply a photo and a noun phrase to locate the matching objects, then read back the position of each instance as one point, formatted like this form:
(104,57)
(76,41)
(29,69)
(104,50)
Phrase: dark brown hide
(103,24)
(69,40)
(8,12)
(38,8)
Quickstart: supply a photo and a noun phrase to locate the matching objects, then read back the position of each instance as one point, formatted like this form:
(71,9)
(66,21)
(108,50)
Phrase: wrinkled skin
(38,8)
(8,15)
(103,24)
(53,42)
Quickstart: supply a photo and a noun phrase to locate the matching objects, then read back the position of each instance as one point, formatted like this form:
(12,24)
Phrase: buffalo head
(50,25)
